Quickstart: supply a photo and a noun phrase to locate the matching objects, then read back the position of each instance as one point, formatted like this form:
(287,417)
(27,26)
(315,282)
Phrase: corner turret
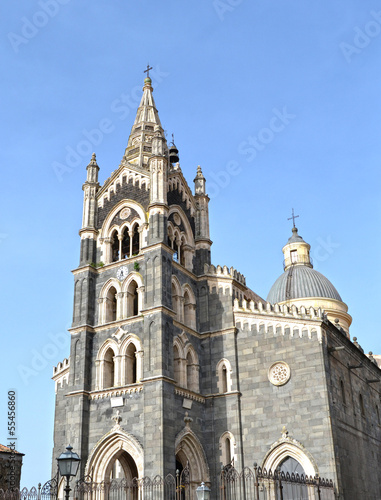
(88,231)
(202,240)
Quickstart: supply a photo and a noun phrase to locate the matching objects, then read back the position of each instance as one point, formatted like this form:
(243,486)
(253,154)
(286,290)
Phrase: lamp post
(203,492)
(68,463)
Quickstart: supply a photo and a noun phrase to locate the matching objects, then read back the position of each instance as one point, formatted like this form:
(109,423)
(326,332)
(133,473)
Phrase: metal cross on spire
(148,70)
(293,217)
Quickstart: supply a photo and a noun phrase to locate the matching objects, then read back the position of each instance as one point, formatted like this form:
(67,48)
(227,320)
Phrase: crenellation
(224,271)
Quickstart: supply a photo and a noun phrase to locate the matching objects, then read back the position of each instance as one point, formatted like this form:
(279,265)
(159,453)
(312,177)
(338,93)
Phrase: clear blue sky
(224,72)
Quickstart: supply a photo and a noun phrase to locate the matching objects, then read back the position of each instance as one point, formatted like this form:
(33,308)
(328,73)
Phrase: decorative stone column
(140,291)
(139,365)
(119,306)
(102,311)
(131,235)
(98,374)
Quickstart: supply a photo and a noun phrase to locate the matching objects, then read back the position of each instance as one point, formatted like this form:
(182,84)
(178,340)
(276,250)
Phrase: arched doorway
(291,468)
(118,455)
(121,466)
(191,460)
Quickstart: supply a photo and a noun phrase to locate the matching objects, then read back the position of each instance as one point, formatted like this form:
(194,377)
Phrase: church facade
(176,362)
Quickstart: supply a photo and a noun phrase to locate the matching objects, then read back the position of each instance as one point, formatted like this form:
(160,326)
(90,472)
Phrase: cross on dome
(293,217)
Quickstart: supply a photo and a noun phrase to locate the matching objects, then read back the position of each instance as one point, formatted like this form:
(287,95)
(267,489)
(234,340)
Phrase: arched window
(192,371)
(291,466)
(114,246)
(189,310)
(111,305)
(126,241)
(361,402)
(182,252)
(228,455)
(224,379)
(342,391)
(177,250)
(227,445)
(175,301)
(176,365)
(131,364)
(132,299)
(109,369)
(135,240)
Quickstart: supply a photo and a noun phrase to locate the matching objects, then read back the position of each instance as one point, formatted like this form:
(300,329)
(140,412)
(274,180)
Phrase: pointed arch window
(126,243)
(114,246)
(175,300)
(132,299)
(177,365)
(224,378)
(111,305)
(228,455)
(135,240)
(109,369)
(131,376)
(192,370)
(189,310)
(182,253)
(227,445)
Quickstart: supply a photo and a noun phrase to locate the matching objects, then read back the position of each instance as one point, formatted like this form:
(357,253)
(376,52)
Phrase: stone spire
(146,126)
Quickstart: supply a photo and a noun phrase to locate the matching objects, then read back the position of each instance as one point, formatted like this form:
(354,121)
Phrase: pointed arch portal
(116,454)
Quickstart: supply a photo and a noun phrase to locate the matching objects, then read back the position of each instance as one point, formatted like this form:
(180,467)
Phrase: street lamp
(68,463)
(203,492)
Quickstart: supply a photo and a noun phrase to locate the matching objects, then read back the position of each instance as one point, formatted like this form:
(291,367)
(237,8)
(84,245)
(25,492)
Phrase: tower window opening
(114,246)
(228,454)
(111,305)
(294,256)
(126,241)
(135,240)
(224,379)
(182,256)
(132,299)
(131,365)
(109,369)
(175,247)
(189,372)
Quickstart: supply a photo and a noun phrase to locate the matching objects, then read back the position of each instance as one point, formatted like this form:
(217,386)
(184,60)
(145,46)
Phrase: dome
(301,281)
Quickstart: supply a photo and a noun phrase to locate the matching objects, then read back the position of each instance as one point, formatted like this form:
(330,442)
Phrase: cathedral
(175,363)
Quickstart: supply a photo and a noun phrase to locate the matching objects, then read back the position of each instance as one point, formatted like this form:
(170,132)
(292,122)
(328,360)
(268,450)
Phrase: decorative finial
(148,79)
(187,419)
(293,217)
(117,418)
(284,432)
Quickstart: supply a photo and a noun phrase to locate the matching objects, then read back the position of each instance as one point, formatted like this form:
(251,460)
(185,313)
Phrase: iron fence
(250,484)
(260,484)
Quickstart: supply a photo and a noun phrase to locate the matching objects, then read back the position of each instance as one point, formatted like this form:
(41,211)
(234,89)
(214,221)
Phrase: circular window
(124,213)
(279,373)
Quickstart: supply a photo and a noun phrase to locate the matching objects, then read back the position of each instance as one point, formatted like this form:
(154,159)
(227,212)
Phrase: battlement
(61,367)
(61,373)
(224,271)
(279,310)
